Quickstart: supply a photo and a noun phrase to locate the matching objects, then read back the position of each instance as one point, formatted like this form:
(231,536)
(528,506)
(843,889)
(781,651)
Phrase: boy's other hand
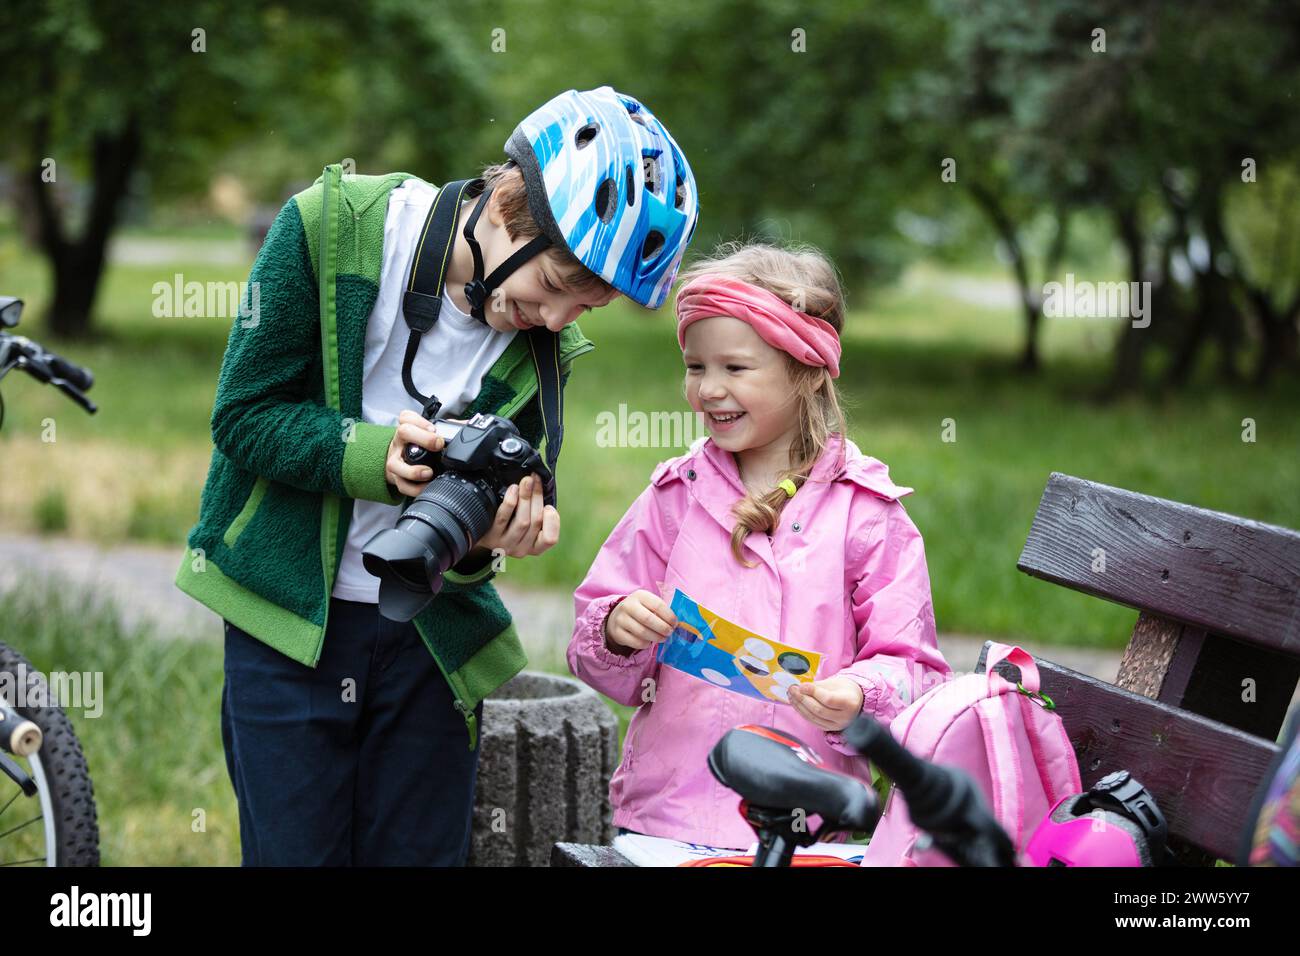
(639,620)
(524,525)
(415,430)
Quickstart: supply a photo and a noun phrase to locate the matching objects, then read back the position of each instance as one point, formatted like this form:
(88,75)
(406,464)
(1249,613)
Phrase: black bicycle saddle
(776,771)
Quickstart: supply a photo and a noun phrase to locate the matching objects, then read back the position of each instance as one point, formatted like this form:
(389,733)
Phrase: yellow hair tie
(786,485)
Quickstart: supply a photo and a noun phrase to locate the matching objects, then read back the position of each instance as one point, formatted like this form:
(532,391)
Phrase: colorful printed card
(711,648)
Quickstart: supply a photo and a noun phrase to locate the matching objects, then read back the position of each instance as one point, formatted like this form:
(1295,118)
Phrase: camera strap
(422,302)
(424,286)
(545,347)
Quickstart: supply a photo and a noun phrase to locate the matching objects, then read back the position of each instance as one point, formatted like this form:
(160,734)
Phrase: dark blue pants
(359,761)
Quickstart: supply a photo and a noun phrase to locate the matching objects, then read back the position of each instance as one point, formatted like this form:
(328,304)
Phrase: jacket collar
(829,466)
(841,460)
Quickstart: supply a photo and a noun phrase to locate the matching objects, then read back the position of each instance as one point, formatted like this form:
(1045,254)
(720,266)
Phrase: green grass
(154,751)
(915,355)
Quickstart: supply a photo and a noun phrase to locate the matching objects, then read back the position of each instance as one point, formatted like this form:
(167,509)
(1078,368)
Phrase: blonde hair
(806,279)
(507,185)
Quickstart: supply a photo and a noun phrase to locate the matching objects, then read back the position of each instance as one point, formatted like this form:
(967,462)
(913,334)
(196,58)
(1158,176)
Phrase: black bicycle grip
(943,801)
(873,740)
(75,375)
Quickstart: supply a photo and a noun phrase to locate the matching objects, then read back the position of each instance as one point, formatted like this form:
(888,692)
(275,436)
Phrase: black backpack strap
(545,347)
(423,298)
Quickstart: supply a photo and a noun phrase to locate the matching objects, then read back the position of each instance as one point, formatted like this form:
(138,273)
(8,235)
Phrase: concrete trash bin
(548,747)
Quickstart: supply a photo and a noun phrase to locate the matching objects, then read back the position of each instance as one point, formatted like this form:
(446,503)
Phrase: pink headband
(811,340)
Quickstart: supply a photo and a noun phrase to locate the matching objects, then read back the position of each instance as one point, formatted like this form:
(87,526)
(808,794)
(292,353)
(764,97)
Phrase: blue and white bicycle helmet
(605,179)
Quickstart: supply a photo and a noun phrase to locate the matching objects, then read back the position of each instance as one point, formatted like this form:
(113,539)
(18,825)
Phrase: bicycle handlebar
(73,380)
(943,801)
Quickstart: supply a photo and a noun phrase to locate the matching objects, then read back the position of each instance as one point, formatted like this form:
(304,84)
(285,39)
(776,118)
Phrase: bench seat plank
(1203,773)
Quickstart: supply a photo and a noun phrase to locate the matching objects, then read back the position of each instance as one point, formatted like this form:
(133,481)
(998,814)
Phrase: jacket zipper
(326,266)
(466,712)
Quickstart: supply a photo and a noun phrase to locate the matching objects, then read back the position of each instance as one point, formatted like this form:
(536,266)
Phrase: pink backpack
(1007,739)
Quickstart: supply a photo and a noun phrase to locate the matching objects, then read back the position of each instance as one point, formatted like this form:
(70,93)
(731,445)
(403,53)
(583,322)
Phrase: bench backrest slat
(1225,574)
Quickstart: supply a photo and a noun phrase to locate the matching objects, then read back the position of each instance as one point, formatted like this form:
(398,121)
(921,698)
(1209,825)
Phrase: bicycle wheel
(56,826)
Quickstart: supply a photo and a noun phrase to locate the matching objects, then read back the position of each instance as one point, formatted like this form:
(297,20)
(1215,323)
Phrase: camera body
(481,459)
(486,448)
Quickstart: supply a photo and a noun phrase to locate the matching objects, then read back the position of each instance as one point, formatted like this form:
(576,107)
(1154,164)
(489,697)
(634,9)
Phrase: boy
(345,732)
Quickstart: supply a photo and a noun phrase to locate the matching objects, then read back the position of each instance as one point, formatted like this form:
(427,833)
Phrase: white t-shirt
(449,363)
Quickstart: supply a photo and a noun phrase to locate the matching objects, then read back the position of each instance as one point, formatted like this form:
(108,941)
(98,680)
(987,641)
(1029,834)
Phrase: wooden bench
(1213,661)
(1210,669)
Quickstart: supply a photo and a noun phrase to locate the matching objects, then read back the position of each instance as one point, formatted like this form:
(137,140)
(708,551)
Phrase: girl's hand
(830,704)
(638,621)
(525,524)
(411,429)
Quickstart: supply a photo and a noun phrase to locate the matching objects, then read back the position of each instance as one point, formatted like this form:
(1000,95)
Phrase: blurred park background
(953,158)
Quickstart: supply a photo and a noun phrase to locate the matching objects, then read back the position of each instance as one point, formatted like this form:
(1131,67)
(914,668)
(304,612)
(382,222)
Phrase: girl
(775,521)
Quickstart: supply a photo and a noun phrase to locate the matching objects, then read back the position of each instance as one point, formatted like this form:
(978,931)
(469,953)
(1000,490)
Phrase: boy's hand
(411,429)
(829,704)
(639,620)
(525,525)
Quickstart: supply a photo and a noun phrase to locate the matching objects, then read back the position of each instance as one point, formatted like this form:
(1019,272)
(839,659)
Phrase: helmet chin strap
(479,289)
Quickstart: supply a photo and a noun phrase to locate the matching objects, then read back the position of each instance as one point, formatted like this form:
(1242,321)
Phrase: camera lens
(434,533)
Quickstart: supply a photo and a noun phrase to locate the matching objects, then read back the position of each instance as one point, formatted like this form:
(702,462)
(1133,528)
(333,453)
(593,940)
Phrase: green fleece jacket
(292,452)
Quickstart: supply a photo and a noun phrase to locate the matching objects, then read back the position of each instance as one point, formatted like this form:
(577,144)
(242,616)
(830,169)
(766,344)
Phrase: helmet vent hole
(631,184)
(585,135)
(606,199)
(636,116)
(653,175)
(679,200)
(654,241)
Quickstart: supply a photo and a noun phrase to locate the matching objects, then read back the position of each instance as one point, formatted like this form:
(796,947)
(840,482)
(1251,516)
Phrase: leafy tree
(111,93)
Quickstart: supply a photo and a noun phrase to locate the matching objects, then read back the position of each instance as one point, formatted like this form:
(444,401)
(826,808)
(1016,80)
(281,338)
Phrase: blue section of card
(698,657)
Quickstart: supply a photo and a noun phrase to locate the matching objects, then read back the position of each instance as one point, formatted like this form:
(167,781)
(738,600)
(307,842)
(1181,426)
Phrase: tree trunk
(1132,341)
(78,264)
(1030,302)
(1280,345)
(1215,317)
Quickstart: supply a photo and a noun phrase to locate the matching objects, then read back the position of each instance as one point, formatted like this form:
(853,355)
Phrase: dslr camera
(482,458)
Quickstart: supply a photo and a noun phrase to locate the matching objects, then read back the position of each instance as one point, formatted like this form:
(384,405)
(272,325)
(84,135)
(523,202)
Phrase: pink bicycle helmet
(1116,823)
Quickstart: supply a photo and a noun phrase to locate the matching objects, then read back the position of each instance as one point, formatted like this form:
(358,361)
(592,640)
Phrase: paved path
(171,250)
(137,579)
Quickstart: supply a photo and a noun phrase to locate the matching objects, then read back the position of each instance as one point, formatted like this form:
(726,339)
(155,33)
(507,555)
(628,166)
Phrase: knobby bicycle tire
(72,795)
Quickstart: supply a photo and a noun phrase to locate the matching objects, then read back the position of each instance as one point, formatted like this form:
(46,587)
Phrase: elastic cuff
(365,460)
(870,691)
(594,628)
(870,697)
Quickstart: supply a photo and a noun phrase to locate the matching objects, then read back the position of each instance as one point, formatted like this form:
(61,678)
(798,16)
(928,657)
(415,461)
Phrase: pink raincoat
(844,575)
